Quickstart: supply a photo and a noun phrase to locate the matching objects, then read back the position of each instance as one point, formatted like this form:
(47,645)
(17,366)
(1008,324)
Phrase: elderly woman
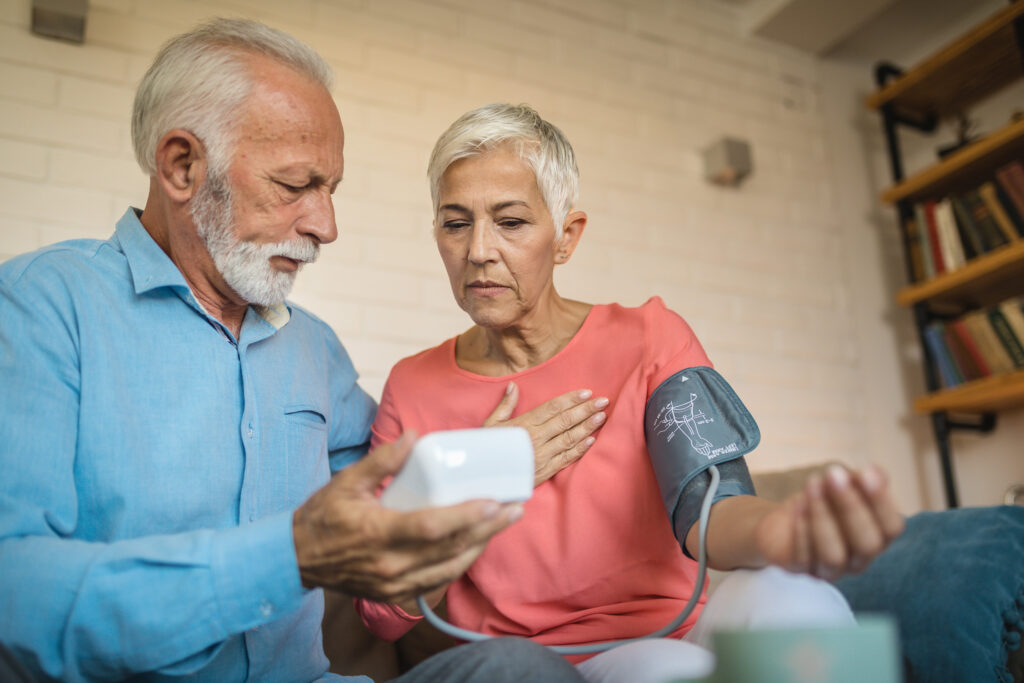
(594,557)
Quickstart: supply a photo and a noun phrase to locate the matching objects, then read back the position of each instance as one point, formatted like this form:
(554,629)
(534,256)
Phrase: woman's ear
(180,164)
(572,231)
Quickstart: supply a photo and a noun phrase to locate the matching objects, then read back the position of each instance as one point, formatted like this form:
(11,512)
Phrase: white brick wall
(640,88)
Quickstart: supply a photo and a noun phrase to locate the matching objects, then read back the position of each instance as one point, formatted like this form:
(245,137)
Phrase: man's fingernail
(839,477)
(588,442)
(814,486)
(515,512)
(599,418)
(491,509)
(601,402)
(510,388)
(585,394)
(872,478)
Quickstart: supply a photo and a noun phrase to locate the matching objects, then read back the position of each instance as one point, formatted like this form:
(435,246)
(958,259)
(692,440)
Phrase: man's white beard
(245,266)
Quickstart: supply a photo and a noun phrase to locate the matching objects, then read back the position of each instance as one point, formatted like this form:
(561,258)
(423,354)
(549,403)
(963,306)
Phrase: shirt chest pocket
(306,450)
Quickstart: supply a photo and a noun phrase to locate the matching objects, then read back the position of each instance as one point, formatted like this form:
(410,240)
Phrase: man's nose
(319,220)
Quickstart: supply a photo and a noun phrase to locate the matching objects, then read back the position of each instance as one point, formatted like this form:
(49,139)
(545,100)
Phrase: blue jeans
(501,660)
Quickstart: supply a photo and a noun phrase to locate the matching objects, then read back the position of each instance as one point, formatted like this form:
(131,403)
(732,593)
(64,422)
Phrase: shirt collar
(151,268)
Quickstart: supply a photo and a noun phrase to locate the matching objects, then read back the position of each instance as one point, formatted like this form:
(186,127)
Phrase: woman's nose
(481,244)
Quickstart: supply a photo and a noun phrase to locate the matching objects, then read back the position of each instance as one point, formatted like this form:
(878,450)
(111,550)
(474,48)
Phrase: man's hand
(561,428)
(346,540)
(839,523)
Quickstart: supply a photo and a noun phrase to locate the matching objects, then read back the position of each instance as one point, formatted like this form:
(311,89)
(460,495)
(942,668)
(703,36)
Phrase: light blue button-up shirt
(149,467)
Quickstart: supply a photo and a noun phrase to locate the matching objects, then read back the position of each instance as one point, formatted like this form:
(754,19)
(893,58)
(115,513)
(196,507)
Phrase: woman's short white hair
(540,144)
(199,81)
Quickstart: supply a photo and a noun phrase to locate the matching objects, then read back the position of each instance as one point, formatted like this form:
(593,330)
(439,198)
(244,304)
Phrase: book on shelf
(966,351)
(991,236)
(1011,179)
(949,238)
(934,241)
(934,339)
(999,213)
(996,356)
(978,344)
(924,242)
(913,244)
(972,236)
(1014,345)
(945,233)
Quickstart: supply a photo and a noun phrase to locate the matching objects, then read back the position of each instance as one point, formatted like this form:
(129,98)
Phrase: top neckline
(454,365)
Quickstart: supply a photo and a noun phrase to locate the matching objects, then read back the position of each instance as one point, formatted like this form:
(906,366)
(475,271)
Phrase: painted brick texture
(639,87)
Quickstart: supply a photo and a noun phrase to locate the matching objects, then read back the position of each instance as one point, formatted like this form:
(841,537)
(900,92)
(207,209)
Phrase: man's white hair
(199,81)
(540,144)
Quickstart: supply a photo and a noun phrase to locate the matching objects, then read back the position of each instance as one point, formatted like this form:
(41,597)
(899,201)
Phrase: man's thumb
(382,462)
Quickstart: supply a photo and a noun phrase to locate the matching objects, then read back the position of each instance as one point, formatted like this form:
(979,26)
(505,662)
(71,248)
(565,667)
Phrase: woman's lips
(486,289)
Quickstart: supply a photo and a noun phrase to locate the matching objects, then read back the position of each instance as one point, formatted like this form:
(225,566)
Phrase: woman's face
(496,237)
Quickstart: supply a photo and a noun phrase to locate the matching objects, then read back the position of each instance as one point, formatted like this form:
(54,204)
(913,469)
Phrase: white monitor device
(450,467)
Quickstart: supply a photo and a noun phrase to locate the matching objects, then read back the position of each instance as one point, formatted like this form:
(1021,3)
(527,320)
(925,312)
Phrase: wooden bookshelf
(968,70)
(961,170)
(973,67)
(986,395)
(983,281)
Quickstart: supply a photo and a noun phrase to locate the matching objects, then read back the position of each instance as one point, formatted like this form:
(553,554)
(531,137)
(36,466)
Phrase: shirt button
(249,431)
(266,609)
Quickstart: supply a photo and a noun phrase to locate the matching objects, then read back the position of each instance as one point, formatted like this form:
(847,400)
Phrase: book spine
(911,229)
(975,358)
(987,228)
(1010,209)
(1014,174)
(952,249)
(1011,310)
(987,192)
(941,360)
(992,350)
(933,238)
(961,359)
(926,247)
(1007,337)
(970,231)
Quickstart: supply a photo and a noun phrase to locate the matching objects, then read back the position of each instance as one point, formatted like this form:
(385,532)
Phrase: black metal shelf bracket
(984,423)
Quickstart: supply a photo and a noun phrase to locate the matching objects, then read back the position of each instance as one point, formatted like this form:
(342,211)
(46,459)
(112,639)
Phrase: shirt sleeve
(389,622)
(352,407)
(78,610)
(670,345)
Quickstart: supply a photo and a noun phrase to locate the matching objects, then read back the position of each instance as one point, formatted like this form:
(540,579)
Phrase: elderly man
(165,417)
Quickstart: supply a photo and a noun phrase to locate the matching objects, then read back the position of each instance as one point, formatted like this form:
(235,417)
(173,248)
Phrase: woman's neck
(506,351)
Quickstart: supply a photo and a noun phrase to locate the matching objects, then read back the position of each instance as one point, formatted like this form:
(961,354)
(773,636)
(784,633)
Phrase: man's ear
(181,164)
(572,231)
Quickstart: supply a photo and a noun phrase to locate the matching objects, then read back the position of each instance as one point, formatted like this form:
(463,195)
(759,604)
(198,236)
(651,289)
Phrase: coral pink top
(593,557)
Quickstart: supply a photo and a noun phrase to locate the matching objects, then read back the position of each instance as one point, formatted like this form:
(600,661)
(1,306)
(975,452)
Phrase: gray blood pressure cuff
(695,420)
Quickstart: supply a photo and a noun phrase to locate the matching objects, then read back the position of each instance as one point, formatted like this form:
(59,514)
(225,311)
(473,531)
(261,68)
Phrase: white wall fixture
(64,19)
(727,161)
